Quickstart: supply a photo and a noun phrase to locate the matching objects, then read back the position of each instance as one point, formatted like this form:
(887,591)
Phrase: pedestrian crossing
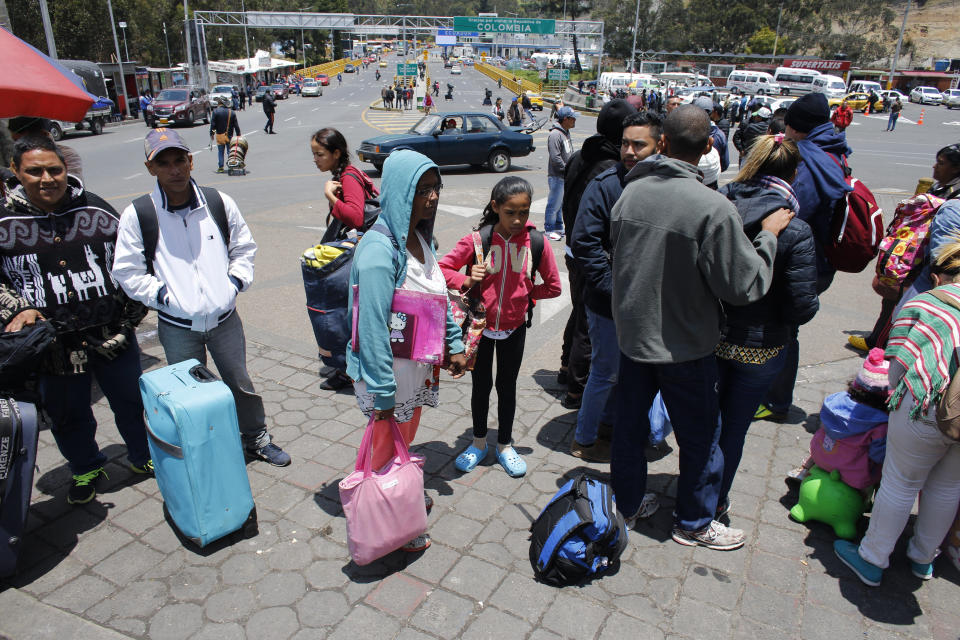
(391,121)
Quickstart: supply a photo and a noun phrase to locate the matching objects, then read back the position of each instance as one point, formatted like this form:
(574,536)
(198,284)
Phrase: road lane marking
(549,307)
(463,212)
(290,118)
(539,206)
(140,173)
(907,164)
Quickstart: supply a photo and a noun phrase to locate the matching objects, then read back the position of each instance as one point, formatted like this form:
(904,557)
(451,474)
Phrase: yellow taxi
(536,100)
(856,101)
(383,63)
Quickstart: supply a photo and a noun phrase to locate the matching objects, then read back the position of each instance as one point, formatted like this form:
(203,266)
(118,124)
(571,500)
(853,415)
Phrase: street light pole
(186,29)
(123,27)
(48,29)
(633,49)
(116,46)
(245,40)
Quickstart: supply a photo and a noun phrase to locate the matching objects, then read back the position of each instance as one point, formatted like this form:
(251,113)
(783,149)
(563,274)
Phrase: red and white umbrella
(33,84)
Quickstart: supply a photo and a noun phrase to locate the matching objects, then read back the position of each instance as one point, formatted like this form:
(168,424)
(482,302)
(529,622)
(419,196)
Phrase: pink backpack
(904,246)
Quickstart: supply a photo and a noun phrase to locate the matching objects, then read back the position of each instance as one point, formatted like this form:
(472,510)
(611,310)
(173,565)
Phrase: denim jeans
(742,388)
(221,148)
(66,400)
(597,404)
(689,390)
(228,347)
(919,460)
(779,397)
(892,120)
(554,215)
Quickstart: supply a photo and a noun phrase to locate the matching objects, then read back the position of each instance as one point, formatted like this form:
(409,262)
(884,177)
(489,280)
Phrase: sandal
(511,462)
(470,458)
(418,544)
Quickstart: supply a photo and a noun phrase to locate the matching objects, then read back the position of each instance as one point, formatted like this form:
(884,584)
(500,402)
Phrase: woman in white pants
(919,456)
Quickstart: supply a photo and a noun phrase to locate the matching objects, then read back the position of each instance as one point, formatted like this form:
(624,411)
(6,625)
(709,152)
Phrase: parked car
(953,101)
(950,93)
(383,63)
(179,105)
(856,101)
(926,95)
(323,79)
(460,137)
(261,91)
(456,70)
(280,91)
(448,64)
(891,95)
(349,68)
(223,91)
(311,88)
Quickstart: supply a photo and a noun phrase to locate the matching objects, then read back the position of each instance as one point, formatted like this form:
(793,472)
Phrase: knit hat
(808,112)
(610,120)
(872,377)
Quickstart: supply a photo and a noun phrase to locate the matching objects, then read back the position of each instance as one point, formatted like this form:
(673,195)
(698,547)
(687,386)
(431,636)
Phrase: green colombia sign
(505,25)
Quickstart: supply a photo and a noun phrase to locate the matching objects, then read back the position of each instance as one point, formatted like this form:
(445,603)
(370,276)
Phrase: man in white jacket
(186,251)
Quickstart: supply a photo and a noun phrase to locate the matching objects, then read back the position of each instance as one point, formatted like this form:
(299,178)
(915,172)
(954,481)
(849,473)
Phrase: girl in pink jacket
(505,283)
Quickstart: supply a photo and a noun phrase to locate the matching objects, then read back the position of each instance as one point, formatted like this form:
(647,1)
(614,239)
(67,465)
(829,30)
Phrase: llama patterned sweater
(59,263)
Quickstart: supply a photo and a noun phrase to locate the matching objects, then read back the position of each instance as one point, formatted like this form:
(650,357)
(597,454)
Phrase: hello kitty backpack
(904,247)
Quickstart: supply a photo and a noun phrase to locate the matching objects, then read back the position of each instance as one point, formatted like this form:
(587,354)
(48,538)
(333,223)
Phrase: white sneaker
(553,235)
(713,536)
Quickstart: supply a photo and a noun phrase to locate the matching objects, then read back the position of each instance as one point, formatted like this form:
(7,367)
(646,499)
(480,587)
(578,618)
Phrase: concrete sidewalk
(113,568)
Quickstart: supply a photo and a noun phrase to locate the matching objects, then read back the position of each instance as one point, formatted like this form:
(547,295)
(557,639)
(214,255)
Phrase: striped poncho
(923,340)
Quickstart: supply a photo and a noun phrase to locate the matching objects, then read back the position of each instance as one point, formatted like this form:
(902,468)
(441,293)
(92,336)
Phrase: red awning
(32,84)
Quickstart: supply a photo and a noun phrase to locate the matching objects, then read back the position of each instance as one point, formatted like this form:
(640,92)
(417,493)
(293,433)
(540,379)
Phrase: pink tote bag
(384,508)
(417,324)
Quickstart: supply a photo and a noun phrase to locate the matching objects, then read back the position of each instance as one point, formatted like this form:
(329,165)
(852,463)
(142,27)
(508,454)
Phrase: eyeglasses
(426,191)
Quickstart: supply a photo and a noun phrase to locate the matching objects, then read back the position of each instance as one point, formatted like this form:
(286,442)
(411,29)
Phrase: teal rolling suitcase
(197,456)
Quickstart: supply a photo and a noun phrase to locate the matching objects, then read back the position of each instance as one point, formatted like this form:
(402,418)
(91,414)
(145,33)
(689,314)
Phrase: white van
(865,86)
(752,82)
(830,86)
(795,81)
(611,81)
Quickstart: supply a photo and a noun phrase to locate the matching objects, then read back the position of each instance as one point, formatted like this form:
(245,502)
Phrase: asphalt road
(282,201)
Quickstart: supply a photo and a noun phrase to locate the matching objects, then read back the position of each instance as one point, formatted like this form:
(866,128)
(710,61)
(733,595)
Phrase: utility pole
(896,55)
(116,46)
(633,49)
(167,43)
(776,39)
(48,29)
(186,29)
(245,40)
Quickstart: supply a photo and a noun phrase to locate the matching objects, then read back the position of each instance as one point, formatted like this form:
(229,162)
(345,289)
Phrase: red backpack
(856,227)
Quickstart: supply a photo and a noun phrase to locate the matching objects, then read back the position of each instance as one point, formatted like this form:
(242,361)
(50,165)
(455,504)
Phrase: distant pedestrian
(894,114)
(398,97)
(559,149)
(339,79)
(383,96)
(269,109)
(427,103)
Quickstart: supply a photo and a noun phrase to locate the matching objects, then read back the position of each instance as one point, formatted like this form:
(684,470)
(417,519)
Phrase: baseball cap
(566,112)
(704,103)
(764,113)
(22,124)
(159,139)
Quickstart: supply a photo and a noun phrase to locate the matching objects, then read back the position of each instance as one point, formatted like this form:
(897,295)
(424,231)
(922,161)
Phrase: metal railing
(511,82)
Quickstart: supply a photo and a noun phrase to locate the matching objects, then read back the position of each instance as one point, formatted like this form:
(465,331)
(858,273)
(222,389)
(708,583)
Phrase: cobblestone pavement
(114,569)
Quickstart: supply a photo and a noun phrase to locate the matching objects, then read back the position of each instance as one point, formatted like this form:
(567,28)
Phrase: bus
(795,81)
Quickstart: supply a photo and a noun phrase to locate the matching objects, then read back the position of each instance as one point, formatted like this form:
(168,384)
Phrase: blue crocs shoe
(849,555)
(923,570)
(511,462)
(470,458)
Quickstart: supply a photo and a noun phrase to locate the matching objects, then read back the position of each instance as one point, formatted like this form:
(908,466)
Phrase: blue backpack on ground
(579,535)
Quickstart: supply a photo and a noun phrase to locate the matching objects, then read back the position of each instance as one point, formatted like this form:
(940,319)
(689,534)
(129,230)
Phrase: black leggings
(509,355)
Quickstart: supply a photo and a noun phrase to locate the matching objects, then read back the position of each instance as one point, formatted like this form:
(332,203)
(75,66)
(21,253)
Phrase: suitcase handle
(201,374)
(163,445)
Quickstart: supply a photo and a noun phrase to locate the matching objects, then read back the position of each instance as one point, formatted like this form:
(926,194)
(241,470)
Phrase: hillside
(932,28)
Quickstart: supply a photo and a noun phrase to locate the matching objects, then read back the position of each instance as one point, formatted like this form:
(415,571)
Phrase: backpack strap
(536,253)
(149,228)
(218,212)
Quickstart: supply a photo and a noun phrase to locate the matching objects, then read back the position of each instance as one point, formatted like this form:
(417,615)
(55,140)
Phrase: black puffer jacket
(747,133)
(792,299)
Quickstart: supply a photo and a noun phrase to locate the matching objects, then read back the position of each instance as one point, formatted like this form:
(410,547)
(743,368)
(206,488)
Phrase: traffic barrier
(920,121)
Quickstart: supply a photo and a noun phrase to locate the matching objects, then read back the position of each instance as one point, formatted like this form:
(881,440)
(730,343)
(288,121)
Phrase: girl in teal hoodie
(404,258)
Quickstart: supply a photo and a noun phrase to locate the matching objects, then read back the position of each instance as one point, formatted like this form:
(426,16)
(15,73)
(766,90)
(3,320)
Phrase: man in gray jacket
(677,249)
(559,149)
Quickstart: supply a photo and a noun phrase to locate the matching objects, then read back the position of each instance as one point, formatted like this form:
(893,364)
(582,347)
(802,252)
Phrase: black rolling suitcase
(18,457)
